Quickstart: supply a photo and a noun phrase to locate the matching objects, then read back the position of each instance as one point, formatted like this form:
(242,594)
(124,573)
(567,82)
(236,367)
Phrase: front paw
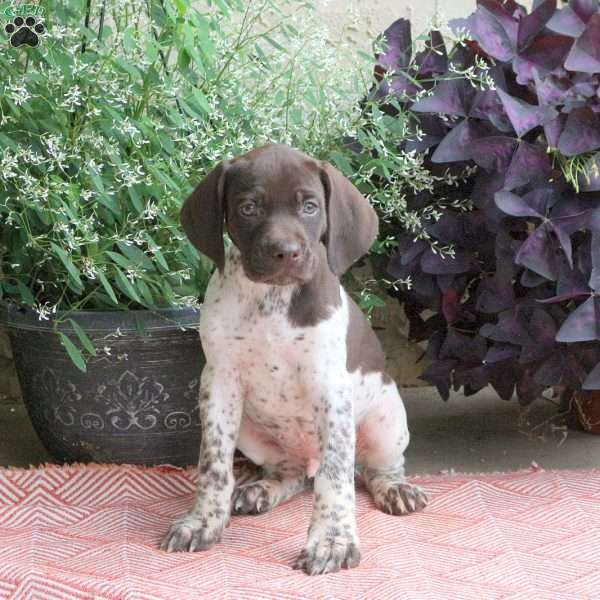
(400,498)
(192,534)
(329,553)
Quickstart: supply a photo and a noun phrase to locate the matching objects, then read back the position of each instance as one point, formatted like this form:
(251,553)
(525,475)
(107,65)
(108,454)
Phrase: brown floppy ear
(202,215)
(352,224)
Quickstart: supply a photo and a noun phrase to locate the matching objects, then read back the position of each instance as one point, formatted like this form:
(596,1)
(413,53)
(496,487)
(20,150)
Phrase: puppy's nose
(284,250)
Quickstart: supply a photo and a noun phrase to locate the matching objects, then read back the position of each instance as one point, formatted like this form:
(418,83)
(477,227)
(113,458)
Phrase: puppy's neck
(234,273)
(305,304)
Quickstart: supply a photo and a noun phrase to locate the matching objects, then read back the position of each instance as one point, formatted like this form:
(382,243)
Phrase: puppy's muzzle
(280,261)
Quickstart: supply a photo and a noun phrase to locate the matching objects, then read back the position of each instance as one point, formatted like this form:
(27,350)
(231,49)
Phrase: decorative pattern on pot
(182,419)
(126,403)
(132,401)
(62,396)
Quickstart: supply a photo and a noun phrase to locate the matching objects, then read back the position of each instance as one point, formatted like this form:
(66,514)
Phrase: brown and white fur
(294,375)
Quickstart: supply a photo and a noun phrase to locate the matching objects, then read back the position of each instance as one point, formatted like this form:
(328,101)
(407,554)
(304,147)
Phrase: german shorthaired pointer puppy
(294,376)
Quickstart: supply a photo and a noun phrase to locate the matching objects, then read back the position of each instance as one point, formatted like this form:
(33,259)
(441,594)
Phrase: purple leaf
(494,295)
(537,253)
(592,381)
(595,274)
(509,329)
(581,133)
(564,225)
(486,185)
(486,103)
(544,55)
(502,379)
(505,249)
(567,22)
(564,297)
(450,96)
(433,132)
(449,229)
(595,220)
(582,324)
(501,122)
(457,143)
(542,327)
(564,239)
(585,53)
(493,153)
(514,205)
(528,389)
(439,373)
(571,284)
(529,163)
(410,249)
(553,129)
(506,15)
(518,11)
(584,8)
(543,198)
(398,85)
(433,59)
(398,42)
(500,352)
(529,279)
(490,34)
(531,24)
(436,265)
(523,116)
(571,281)
(471,379)
(425,286)
(551,90)
(450,305)
(552,370)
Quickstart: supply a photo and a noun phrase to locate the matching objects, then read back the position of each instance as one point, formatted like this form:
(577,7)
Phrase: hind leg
(276,484)
(277,480)
(382,439)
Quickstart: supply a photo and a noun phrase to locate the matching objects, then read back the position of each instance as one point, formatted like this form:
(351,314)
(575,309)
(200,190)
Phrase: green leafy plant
(108,124)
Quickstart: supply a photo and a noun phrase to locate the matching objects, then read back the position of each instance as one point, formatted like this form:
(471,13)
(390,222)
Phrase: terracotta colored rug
(91,532)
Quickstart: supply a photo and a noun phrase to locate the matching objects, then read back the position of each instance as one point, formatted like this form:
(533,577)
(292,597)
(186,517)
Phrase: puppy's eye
(310,207)
(248,209)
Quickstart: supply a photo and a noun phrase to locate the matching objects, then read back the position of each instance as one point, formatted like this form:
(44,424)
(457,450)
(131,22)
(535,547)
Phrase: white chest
(283,371)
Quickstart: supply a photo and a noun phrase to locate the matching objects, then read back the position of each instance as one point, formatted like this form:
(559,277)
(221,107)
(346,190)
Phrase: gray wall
(361,20)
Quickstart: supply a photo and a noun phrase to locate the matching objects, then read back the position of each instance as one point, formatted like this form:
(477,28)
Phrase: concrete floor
(479,433)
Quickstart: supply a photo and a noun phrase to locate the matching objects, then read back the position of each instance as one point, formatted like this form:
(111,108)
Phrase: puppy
(294,374)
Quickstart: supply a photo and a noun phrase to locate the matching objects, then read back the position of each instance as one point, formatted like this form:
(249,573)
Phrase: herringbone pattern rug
(91,532)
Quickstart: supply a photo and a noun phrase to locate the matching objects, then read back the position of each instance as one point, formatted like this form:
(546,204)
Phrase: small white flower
(19,94)
(150,212)
(72,98)
(44,310)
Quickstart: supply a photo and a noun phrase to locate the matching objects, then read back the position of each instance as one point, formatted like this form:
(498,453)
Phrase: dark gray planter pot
(137,403)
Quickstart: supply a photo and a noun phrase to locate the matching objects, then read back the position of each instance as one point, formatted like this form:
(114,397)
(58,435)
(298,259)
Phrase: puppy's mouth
(299,274)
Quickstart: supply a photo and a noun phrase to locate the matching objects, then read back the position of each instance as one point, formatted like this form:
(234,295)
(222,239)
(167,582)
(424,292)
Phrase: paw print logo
(24,31)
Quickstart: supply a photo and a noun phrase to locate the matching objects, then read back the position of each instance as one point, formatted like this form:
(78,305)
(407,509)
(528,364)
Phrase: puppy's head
(279,205)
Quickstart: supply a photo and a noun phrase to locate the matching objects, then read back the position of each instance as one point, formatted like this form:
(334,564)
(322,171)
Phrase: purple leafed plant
(517,303)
